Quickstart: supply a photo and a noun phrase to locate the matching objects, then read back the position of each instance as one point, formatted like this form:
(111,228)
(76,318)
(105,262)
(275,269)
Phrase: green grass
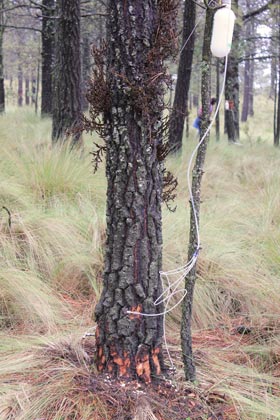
(51,264)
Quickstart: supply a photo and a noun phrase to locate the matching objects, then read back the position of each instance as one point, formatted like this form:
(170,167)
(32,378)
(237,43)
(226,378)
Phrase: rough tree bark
(232,86)
(66,113)
(2,87)
(179,109)
(47,56)
(130,345)
(186,336)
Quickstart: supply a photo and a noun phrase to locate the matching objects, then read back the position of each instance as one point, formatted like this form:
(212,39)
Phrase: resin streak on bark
(129,346)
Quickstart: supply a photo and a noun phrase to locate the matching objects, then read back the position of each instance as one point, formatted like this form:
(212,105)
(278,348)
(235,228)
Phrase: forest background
(52,228)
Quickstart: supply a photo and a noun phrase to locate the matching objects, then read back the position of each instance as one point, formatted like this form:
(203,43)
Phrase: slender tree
(47,55)
(186,336)
(232,86)
(20,86)
(85,69)
(2,88)
(252,71)
(130,96)
(277,87)
(179,109)
(248,63)
(66,111)
(217,122)
(27,90)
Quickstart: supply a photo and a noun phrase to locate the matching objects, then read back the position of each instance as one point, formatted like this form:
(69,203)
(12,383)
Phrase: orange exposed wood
(123,363)
(136,309)
(155,353)
(143,368)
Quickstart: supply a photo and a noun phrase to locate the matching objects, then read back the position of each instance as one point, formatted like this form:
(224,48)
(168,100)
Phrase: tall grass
(51,265)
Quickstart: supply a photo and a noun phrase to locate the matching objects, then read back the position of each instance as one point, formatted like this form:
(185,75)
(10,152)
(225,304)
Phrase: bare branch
(257,11)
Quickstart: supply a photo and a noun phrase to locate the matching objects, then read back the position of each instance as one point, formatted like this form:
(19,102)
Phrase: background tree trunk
(27,90)
(67,71)
(20,86)
(33,88)
(186,335)
(217,122)
(252,71)
(85,70)
(2,86)
(246,86)
(179,109)
(37,87)
(129,345)
(277,108)
(232,86)
(47,56)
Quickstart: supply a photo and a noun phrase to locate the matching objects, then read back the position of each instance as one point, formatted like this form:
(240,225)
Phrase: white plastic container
(222,32)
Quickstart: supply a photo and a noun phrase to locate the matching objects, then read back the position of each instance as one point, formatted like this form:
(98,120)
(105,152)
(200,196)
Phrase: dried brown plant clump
(140,93)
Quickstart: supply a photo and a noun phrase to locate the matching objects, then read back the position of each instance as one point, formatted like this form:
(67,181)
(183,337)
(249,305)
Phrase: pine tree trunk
(27,91)
(47,56)
(251,87)
(186,335)
(246,91)
(273,72)
(2,86)
(20,86)
(33,88)
(37,87)
(217,121)
(178,114)
(67,72)
(129,345)
(85,70)
(232,86)
(277,109)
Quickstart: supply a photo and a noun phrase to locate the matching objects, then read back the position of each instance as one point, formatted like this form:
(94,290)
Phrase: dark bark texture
(232,86)
(47,56)
(67,72)
(179,109)
(186,336)
(129,345)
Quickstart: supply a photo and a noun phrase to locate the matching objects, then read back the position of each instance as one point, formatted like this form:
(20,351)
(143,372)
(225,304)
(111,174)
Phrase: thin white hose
(172,288)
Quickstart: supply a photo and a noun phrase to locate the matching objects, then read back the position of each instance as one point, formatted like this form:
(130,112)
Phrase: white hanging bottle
(222,30)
